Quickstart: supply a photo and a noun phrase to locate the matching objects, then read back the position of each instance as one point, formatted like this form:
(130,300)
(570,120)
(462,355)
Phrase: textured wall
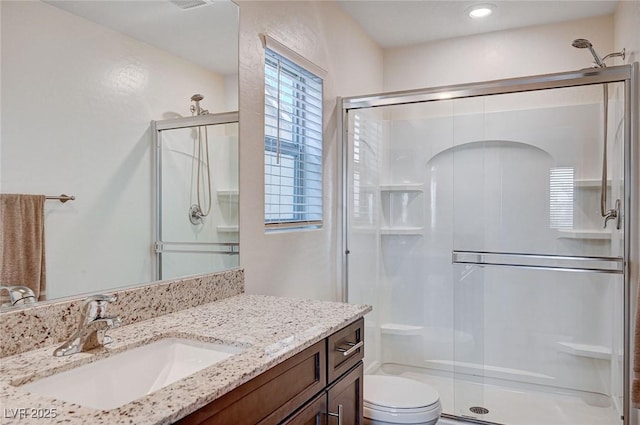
(298,263)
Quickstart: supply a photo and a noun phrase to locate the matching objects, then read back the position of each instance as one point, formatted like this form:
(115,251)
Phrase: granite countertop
(274,329)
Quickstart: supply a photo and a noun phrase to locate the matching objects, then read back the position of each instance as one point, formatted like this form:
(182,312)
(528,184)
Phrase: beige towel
(22,257)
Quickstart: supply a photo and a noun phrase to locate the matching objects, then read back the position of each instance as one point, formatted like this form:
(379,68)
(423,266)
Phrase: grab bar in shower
(552,262)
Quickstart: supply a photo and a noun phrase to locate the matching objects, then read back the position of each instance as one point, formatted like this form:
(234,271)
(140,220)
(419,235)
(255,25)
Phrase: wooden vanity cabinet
(307,389)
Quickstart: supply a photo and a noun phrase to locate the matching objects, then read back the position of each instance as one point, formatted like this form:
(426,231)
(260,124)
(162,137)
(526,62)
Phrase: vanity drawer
(271,396)
(345,350)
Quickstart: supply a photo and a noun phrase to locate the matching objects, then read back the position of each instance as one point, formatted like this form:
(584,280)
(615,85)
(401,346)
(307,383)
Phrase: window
(292,145)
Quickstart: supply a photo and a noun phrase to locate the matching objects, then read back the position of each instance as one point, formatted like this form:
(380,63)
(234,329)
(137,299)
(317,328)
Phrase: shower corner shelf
(228,229)
(364,229)
(401,231)
(402,187)
(400,329)
(590,183)
(584,234)
(227,193)
(585,350)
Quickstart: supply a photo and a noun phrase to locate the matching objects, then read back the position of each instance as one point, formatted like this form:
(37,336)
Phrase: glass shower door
(537,278)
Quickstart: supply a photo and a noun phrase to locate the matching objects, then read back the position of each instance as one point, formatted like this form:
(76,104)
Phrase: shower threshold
(505,402)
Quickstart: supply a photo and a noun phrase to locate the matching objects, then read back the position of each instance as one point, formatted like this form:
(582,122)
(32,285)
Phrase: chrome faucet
(92,326)
(19,295)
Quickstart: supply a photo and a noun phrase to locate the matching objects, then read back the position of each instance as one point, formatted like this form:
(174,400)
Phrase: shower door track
(627,74)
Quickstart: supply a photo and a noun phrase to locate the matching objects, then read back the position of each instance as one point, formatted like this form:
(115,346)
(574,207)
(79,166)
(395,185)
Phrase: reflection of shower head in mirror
(196,109)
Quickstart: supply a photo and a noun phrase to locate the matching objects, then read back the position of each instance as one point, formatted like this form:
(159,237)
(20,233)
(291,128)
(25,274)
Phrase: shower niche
(402,209)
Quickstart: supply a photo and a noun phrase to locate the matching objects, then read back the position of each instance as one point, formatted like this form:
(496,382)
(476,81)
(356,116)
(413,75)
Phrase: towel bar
(62,198)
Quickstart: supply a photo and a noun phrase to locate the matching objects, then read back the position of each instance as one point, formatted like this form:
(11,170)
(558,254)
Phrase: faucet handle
(100,298)
(95,306)
(19,294)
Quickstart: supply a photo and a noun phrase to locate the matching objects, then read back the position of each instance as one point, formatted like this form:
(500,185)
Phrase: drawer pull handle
(338,415)
(350,351)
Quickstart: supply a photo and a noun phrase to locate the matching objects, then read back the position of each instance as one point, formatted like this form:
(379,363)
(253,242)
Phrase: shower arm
(620,54)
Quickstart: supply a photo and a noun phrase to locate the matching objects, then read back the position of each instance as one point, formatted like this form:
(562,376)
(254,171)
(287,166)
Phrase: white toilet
(396,400)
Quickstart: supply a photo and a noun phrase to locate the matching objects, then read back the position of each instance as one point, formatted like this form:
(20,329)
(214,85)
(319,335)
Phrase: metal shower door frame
(160,246)
(627,74)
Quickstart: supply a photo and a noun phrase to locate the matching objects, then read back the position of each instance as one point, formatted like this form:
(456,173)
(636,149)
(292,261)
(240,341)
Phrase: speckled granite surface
(273,328)
(30,328)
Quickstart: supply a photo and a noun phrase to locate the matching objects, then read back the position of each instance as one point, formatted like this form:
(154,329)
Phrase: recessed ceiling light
(480,11)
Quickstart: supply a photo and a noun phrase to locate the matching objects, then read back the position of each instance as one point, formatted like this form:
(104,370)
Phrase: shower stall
(472,224)
(196,193)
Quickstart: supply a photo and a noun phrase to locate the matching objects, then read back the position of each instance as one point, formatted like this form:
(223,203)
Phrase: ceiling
(206,35)
(395,23)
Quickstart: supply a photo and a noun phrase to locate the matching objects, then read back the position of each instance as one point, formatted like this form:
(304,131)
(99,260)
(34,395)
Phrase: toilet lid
(398,393)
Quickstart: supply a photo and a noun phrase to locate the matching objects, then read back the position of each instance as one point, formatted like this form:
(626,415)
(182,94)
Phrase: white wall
(502,54)
(299,263)
(77,100)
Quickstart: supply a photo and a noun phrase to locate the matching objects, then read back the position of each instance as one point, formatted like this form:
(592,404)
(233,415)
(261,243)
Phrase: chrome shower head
(195,106)
(583,43)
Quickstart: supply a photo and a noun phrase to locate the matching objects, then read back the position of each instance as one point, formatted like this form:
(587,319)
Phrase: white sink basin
(127,376)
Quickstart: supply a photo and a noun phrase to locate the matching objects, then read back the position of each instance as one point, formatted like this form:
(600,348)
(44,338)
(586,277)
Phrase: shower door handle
(552,262)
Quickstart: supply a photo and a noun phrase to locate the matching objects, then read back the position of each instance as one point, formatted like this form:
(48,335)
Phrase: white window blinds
(292,144)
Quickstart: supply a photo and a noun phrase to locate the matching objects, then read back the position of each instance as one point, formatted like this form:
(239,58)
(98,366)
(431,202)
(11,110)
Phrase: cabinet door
(345,396)
(315,413)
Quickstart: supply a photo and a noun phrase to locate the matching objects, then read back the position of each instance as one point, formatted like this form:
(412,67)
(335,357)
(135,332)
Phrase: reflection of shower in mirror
(202,207)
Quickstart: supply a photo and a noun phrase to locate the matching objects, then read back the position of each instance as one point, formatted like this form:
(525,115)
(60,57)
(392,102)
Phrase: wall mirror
(83,86)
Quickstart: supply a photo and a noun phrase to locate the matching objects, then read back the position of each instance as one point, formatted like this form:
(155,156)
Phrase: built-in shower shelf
(228,229)
(400,329)
(230,194)
(364,229)
(401,231)
(590,183)
(402,187)
(584,234)
(586,350)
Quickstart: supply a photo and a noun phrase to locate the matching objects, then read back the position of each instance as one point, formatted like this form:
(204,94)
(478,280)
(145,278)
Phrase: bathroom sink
(127,376)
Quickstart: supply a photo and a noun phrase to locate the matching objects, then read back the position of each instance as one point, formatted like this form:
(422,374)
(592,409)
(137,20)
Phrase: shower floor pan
(508,404)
